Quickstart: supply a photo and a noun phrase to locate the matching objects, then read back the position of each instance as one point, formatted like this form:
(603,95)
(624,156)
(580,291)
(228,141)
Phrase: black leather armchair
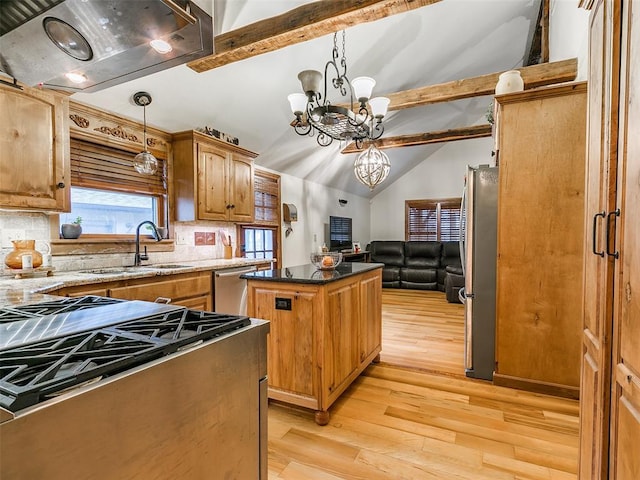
(453,282)
(450,257)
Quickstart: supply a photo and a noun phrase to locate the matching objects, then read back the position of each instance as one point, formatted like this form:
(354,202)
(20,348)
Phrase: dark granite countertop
(310,274)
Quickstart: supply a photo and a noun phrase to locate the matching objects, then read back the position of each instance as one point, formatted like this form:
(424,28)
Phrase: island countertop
(309,274)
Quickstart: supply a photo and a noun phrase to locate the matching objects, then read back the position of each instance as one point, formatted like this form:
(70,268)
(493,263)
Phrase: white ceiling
(450,40)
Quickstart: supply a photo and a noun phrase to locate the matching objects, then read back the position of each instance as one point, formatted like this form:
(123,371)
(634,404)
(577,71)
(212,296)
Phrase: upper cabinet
(34,149)
(213,180)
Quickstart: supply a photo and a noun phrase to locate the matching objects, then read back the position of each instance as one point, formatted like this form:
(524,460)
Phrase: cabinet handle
(615,213)
(232,206)
(593,233)
(60,185)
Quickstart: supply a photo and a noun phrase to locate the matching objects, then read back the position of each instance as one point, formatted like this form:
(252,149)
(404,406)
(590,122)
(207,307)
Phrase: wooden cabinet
(191,290)
(540,238)
(322,336)
(34,150)
(610,387)
(213,180)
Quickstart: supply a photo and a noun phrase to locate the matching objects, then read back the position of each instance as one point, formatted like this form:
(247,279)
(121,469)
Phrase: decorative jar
(509,81)
(21,248)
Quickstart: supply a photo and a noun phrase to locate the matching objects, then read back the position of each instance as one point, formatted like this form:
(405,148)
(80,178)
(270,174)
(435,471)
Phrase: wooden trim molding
(105,128)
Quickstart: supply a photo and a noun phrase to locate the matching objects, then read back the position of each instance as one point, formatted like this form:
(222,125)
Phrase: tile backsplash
(34,225)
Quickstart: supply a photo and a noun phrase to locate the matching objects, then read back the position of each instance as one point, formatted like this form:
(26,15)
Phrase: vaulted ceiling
(448,40)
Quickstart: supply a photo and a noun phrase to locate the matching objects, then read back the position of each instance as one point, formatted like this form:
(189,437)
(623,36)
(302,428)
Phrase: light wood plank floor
(421,330)
(407,423)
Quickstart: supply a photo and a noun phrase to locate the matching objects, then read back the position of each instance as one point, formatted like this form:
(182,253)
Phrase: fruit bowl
(326,260)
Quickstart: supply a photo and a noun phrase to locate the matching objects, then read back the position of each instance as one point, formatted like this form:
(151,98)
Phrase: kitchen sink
(109,271)
(167,265)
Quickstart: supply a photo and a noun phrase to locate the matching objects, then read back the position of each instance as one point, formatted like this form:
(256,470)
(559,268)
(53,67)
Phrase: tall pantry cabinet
(541,145)
(610,387)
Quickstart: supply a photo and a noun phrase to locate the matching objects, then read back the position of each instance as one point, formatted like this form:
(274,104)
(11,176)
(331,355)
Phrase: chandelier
(315,113)
(372,167)
(144,162)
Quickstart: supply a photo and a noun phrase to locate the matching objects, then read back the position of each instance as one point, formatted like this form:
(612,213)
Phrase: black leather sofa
(418,265)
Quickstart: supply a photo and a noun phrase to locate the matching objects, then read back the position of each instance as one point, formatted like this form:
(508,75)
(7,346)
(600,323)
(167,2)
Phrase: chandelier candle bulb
(362,88)
(298,102)
(379,106)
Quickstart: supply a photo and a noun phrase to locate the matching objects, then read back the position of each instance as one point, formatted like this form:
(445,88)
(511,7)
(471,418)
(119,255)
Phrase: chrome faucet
(156,235)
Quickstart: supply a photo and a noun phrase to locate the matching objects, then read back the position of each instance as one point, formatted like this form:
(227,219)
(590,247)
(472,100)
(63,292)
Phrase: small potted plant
(72,230)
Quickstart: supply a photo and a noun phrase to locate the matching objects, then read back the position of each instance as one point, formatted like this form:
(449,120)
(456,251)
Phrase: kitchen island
(326,327)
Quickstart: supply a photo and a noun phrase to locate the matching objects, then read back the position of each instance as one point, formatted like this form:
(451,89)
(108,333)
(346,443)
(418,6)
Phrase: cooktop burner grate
(30,374)
(65,305)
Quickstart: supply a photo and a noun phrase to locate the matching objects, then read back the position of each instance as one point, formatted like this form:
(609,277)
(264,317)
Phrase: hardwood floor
(396,422)
(421,330)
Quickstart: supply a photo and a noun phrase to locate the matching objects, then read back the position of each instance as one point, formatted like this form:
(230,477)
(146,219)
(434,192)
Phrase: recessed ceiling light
(160,46)
(76,77)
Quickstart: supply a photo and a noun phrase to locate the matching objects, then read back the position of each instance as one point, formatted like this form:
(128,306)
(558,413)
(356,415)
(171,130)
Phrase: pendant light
(144,162)
(372,166)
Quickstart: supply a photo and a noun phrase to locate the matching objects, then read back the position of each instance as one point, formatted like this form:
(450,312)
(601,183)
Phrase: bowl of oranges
(326,260)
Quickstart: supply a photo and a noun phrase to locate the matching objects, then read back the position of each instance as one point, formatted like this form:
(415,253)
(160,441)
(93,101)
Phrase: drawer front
(173,289)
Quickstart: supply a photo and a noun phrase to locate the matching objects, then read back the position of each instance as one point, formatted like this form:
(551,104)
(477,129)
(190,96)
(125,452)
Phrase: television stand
(361,256)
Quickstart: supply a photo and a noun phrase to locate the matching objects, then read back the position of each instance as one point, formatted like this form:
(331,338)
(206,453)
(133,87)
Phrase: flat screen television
(340,237)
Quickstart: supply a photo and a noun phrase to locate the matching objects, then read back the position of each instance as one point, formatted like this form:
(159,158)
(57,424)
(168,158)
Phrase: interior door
(598,272)
(625,413)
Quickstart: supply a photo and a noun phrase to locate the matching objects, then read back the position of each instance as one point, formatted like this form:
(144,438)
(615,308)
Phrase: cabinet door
(598,266)
(34,150)
(541,221)
(241,189)
(292,339)
(370,330)
(340,337)
(213,181)
(625,407)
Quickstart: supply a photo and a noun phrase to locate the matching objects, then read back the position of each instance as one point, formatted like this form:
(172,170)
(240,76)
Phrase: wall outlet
(181,238)
(9,234)
(200,238)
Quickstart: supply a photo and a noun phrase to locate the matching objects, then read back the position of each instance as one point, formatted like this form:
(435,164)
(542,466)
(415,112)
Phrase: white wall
(315,203)
(568,34)
(439,176)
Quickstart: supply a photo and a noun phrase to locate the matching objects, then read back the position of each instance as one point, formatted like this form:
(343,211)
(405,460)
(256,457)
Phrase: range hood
(103,42)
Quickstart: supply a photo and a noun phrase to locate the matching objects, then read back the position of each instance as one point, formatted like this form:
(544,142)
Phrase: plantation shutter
(266,190)
(433,220)
(108,168)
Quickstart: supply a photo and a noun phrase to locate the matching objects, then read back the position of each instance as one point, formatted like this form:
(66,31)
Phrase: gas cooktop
(35,372)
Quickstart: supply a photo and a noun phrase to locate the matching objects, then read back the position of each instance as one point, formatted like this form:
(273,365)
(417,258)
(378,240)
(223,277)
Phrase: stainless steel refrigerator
(478,250)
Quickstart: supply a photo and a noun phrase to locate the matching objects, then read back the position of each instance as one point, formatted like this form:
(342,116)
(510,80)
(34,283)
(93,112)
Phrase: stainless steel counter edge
(6,415)
(59,280)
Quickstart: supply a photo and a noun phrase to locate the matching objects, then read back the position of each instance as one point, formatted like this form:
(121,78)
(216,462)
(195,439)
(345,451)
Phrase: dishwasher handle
(234,272)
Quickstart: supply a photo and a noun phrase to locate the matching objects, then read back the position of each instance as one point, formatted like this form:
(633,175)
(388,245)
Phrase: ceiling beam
(533,76)
(306,22)
(463,133)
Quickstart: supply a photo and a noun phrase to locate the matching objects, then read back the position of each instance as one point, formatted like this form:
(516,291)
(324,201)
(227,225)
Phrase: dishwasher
(230,291)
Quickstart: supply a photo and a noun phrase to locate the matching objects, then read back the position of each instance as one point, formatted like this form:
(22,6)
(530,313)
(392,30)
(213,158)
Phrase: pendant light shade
(372,167)
(144,162)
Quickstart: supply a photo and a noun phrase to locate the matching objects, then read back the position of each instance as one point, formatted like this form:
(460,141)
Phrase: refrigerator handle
(461,240)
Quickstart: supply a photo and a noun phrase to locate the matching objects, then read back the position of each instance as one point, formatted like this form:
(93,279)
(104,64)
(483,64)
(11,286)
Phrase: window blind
(266,191)
(108,168)
(433,220)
